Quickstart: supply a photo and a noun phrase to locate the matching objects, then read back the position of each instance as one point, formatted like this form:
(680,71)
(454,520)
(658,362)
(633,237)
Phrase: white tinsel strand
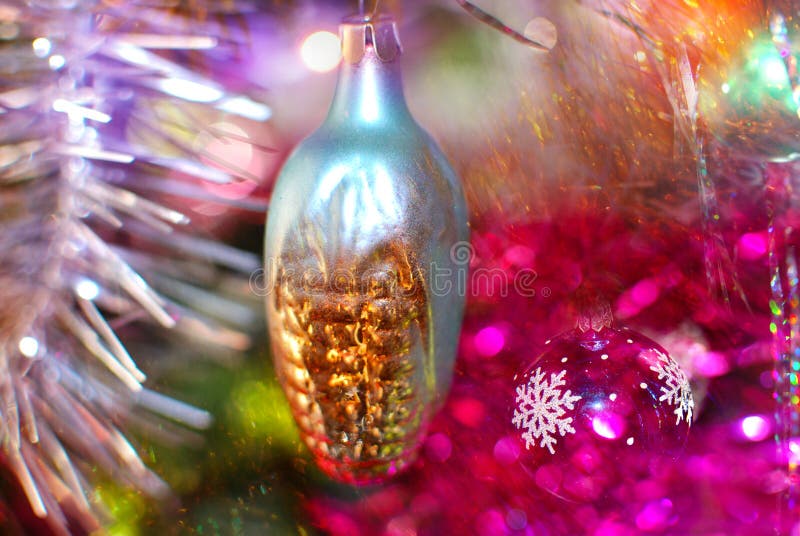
(80,82)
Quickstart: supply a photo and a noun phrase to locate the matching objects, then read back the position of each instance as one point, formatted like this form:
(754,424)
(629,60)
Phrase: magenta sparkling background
(475,477)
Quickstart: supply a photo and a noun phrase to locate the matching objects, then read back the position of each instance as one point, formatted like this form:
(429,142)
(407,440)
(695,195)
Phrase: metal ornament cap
(360,34)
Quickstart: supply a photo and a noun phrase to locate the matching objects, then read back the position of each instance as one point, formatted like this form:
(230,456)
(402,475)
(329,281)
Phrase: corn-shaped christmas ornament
(363,265)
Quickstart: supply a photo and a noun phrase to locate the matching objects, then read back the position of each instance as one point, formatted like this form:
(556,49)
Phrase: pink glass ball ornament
(598,410)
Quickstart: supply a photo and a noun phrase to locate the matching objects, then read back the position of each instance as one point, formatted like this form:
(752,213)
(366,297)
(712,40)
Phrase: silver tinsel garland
(96,105)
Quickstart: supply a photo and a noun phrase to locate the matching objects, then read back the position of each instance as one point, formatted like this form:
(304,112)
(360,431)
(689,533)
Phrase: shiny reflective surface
(365,309)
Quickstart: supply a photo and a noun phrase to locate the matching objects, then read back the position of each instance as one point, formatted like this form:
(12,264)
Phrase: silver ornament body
(366,295)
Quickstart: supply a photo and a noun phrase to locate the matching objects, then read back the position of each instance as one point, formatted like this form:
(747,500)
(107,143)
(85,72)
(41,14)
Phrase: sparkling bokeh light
(321,51)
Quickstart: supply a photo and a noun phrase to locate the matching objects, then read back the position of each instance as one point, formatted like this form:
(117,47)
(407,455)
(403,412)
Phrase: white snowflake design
(541,407)
(677,390)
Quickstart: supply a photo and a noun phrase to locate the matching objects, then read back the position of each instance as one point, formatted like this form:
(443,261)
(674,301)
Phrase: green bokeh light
(127,507)
(259,410)
(763,78)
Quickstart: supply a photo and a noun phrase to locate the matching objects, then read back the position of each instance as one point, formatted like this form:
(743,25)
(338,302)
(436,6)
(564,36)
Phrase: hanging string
(362,11)
(497,24)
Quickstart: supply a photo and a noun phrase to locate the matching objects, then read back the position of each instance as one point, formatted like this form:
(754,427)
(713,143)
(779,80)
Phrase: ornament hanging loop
(594,312)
